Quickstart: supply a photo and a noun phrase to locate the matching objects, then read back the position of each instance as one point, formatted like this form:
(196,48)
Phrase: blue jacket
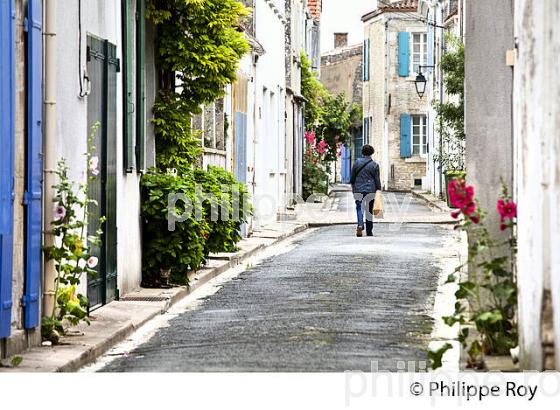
(367,181)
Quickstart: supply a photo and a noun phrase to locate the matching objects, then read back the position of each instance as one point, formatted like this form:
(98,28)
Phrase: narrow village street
(329,301)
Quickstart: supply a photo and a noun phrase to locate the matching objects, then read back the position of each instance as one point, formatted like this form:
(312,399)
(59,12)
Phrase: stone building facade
(341,72)
(395,117)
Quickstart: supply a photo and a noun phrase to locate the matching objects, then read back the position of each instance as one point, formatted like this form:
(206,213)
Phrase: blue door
(7,118)
(240,147)
(346,164)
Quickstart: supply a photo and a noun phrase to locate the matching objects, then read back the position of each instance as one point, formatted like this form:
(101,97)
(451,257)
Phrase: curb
(440,205)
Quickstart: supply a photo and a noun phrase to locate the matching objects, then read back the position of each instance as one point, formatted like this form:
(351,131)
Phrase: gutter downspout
(49,148)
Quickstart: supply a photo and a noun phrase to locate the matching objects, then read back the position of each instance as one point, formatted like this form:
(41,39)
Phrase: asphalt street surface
(333,303)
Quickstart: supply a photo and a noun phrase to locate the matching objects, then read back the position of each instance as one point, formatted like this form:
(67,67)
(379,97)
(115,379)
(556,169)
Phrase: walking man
(365,183)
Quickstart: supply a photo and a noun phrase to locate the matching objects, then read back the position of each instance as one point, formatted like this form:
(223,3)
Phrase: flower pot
(164,275)
(449,176)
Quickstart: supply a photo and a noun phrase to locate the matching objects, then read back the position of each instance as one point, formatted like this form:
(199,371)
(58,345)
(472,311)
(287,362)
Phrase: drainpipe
(49,148)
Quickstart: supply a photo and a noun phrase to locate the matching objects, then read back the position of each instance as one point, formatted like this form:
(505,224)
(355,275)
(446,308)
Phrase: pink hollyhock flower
(503,227)
(475,219)
(59,213)
(507,210)
(92,262)
(310,137)
(469,208)
(460,195)
(455,214)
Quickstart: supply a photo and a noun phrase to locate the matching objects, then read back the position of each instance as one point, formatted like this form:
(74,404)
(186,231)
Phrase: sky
(343,16)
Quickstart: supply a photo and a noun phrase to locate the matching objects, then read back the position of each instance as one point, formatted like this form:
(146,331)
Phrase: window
(419,51)
(419,135)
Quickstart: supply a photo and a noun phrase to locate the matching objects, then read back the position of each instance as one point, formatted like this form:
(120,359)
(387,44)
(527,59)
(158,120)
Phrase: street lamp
(421,81)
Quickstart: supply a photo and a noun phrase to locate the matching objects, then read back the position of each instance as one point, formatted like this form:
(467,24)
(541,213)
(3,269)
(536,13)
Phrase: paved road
(333,303)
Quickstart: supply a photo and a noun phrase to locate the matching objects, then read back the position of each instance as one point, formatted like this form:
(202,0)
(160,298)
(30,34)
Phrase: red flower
(503,227)
(322,147)
(507,210)
(469,208)
(475,219)
(460,195)
(310,137)
(455,214)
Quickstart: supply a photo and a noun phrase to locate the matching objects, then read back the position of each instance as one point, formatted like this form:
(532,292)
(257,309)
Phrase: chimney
(340,40)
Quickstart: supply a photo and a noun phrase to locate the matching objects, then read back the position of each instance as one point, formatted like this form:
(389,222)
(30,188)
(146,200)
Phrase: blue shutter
(404,51)
(7,119)
(33,188)
(240,146)
(406,146)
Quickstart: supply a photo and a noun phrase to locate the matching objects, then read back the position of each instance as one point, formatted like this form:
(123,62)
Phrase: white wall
(270,169)
(103,19)
(536,124)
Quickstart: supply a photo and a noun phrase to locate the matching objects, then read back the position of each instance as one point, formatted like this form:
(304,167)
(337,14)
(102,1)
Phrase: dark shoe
(359,231)
(369,234)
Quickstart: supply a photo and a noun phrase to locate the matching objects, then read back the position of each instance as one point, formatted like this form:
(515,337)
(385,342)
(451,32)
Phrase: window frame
(423,50)
(423,135)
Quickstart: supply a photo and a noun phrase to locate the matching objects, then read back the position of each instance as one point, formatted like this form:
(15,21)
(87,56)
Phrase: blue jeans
(361,201)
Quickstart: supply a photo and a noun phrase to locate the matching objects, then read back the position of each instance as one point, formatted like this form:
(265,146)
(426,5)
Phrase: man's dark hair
(367,150)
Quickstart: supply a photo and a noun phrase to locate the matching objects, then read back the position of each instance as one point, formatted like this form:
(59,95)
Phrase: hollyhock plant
(489,289)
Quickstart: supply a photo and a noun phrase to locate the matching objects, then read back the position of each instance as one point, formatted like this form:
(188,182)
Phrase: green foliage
(314,92)
(226,207)
(71,251)
(16,361)
(435,356)
(200,42)
(451,118)
(330,117)
(177,144)
(334,123)
(181,250)
(209,207)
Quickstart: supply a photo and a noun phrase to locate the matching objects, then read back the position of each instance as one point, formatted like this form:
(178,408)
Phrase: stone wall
(341,72)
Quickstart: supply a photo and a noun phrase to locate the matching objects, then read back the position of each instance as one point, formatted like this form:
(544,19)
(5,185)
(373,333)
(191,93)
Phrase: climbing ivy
(199,46)
(450,114)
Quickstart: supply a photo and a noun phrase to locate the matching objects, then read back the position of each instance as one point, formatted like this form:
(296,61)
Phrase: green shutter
(406,146)
(128,109)
(141,86)
(366,59)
